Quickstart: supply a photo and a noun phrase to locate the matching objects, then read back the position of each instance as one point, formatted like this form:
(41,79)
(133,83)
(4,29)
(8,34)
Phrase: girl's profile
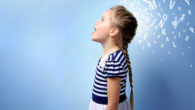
(115,30)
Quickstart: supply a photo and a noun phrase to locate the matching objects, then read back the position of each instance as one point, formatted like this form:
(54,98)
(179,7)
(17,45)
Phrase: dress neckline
(107,55)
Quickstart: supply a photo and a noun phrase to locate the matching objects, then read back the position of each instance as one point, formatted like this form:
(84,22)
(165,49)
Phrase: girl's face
(102,27)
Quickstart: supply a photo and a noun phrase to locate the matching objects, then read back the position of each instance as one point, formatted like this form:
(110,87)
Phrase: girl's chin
(94,39)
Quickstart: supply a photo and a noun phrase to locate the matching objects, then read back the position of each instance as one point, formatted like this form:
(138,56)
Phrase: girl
(114,31)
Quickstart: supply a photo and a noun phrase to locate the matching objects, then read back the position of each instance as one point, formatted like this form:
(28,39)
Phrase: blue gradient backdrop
(48,60)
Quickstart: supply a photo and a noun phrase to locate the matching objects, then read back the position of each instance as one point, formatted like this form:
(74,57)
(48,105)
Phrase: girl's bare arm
(113,92)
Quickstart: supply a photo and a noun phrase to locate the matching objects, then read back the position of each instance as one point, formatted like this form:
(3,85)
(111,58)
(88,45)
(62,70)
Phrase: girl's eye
(102,19)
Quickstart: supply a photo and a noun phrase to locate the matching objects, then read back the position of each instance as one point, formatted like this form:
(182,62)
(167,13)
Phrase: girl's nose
(95,23)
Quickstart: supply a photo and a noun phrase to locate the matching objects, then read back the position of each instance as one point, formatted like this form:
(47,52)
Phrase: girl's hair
(125,21)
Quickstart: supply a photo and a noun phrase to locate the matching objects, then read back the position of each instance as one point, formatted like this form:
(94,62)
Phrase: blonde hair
(125,21)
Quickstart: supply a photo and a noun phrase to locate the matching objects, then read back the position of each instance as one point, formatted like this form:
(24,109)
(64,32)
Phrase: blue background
(48,60)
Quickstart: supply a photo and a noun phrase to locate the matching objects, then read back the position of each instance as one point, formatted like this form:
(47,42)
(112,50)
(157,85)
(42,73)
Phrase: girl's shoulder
(116,56)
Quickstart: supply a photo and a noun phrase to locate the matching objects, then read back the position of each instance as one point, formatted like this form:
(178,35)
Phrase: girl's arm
(113,92)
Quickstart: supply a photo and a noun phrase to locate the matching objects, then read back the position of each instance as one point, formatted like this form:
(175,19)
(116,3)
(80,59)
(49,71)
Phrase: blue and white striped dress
(112,65)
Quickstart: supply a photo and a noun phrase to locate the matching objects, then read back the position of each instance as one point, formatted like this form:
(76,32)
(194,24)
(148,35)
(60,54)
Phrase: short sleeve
(114,69)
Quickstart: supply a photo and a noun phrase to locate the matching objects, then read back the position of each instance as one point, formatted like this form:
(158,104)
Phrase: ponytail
(125,51)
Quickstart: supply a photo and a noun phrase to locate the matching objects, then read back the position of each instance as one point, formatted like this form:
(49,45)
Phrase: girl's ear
(114,32)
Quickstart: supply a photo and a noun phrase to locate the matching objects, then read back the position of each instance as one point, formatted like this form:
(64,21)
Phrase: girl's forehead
(106,14)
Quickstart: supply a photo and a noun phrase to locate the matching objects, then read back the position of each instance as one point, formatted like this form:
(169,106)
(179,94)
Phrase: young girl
(114,31)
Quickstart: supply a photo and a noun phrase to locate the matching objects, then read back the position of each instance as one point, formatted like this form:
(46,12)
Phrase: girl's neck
(108,51)
(111,50)
(109,47)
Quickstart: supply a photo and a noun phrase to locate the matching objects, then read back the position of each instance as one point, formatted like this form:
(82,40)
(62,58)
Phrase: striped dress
(112,65)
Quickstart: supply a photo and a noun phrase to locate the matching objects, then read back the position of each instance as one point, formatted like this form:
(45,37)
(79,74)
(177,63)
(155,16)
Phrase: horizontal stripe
(123,89)
(101,82)
(104,100)
(123,93)
(99,73)
(105,89)
(123,86)
(113,68)
(99,86)
(100,79)
(98,92)
(100,95)
(115,74)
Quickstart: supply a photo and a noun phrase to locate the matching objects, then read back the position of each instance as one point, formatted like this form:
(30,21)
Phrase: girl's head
(102,28)
(117,26)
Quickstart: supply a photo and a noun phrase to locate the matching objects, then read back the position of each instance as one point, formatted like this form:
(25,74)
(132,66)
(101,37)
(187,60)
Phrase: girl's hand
(113,92)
